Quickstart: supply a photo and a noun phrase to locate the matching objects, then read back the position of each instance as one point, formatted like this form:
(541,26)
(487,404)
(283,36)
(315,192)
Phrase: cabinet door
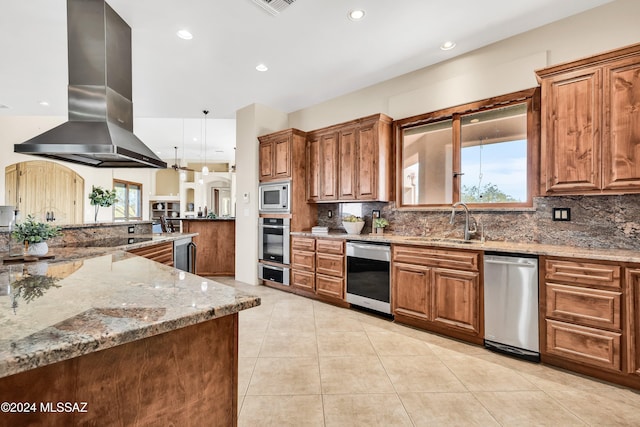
(303,260)
(456,299)
(35,178)
(313,168)
(266,159)
(411,291)
(367,162)
(633,320)
(330,286)
(621,139)
(347,165)
(328,167)
(590,307)
(11,185)
(571,109)
(282,158)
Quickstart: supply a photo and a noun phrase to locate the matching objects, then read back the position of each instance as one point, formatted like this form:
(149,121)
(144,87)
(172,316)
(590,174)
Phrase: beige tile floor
(306,363)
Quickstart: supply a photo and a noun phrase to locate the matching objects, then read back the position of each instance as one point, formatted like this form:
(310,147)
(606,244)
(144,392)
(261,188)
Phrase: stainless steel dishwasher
(511,304)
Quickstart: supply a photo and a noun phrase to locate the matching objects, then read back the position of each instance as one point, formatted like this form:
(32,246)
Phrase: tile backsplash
(596,221)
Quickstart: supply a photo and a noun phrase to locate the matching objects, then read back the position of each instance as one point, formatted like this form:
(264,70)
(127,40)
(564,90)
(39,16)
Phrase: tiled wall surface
(596,221)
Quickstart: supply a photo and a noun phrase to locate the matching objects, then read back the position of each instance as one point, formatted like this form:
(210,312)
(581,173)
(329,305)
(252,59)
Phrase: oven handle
(380,248)
(281,227)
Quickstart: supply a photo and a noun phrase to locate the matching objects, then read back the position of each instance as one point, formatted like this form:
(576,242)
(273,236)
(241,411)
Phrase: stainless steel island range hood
(99,132)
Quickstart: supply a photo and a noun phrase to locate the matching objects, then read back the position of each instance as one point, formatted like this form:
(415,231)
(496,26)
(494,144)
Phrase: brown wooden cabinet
(162,252)
(632,278)
(438,290)
(318,268)
(581,311)
(275,153)
(590,124)
(351,161)
(216,246)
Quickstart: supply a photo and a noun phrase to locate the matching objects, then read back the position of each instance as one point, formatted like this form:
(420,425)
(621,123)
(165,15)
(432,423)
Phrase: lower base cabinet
(438,290)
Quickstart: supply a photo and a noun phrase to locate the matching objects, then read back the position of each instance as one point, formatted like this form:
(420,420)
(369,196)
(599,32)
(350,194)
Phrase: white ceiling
(313,52)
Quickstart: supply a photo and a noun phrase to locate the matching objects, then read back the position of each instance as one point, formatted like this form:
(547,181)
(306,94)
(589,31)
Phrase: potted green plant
(101,197)
(34,235)
(379,224)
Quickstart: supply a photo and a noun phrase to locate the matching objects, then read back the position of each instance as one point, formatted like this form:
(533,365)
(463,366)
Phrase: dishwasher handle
(526,264)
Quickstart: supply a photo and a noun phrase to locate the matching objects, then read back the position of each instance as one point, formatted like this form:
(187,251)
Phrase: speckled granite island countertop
(602,254)
(54,311)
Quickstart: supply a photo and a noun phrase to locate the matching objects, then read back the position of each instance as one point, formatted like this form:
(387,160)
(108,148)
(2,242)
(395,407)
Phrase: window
(129,204)
(483,154)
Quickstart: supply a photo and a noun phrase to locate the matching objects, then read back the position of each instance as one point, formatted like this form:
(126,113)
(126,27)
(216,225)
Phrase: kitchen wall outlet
(375,213)
(131,229)
(561,214)
(330,213)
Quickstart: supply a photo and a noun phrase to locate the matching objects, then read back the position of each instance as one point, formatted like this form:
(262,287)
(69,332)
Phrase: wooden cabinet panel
(584,273)
(266,160)
(411,291)
(347,164)
(330,286)
(11,185)
(303,260)
(330,246)
(303,243)
(436,257)
(632,332)
(304,280)
(367,162)
(313,168)
(329,264)
(590,307)
(162,253)
(282,160)
(456,299)
(329,167)
(216,246)
(571,141)
(583,344)
(621,153)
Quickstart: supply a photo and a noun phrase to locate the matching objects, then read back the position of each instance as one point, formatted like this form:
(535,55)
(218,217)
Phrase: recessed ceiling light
(261,67)
(185,34)
(3,106)
(448,45)
(44,103)
(356,14)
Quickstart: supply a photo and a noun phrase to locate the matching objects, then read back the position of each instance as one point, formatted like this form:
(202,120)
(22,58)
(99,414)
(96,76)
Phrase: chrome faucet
(468,232)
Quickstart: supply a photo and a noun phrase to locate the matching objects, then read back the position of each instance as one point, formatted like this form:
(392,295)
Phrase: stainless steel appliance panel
(511,304)
(275,197)
(273,273)
(368,275)
(273,239)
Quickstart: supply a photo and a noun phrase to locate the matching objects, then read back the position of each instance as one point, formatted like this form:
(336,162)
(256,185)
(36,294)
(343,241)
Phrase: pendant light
(183,173)
(205,169)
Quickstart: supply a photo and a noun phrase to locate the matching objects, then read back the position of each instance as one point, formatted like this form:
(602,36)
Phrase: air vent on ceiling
(274,7)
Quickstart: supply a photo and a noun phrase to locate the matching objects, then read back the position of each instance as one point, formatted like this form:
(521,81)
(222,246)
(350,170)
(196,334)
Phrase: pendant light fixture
(183,173)
(205,169)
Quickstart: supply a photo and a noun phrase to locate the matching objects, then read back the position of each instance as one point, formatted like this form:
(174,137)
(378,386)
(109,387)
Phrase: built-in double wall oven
(273,249)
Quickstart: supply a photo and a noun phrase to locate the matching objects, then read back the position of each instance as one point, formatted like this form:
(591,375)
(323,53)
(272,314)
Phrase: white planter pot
(38,249)
(353,227)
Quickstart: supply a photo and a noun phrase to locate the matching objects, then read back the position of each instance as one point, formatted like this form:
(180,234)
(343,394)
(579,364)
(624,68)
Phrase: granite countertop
(205,219)
(602,254)
(53,311)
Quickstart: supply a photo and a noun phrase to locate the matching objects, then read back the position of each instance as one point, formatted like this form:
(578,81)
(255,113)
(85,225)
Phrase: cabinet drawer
(303,243)
(582,344)
(332,265)
(303,260)
(162,253)
(303,280)
(461,260)
(330,286)
(590,307)
(330,246)
(584,273)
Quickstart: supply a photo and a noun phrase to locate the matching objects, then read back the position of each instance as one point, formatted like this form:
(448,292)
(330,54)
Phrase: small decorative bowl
(353,227)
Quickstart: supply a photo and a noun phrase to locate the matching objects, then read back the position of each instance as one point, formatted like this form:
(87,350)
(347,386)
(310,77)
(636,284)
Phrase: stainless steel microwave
(275,197)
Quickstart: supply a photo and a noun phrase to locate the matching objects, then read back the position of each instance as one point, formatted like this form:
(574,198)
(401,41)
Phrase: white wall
(251,122)
(500,68)
(17,129)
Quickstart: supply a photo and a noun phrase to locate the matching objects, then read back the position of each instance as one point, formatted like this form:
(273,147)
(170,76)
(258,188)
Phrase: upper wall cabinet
(275,154)
(591,124)
(351,161)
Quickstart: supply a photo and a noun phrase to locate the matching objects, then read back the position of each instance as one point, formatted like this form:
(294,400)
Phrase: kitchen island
(216,242)
(117,339)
